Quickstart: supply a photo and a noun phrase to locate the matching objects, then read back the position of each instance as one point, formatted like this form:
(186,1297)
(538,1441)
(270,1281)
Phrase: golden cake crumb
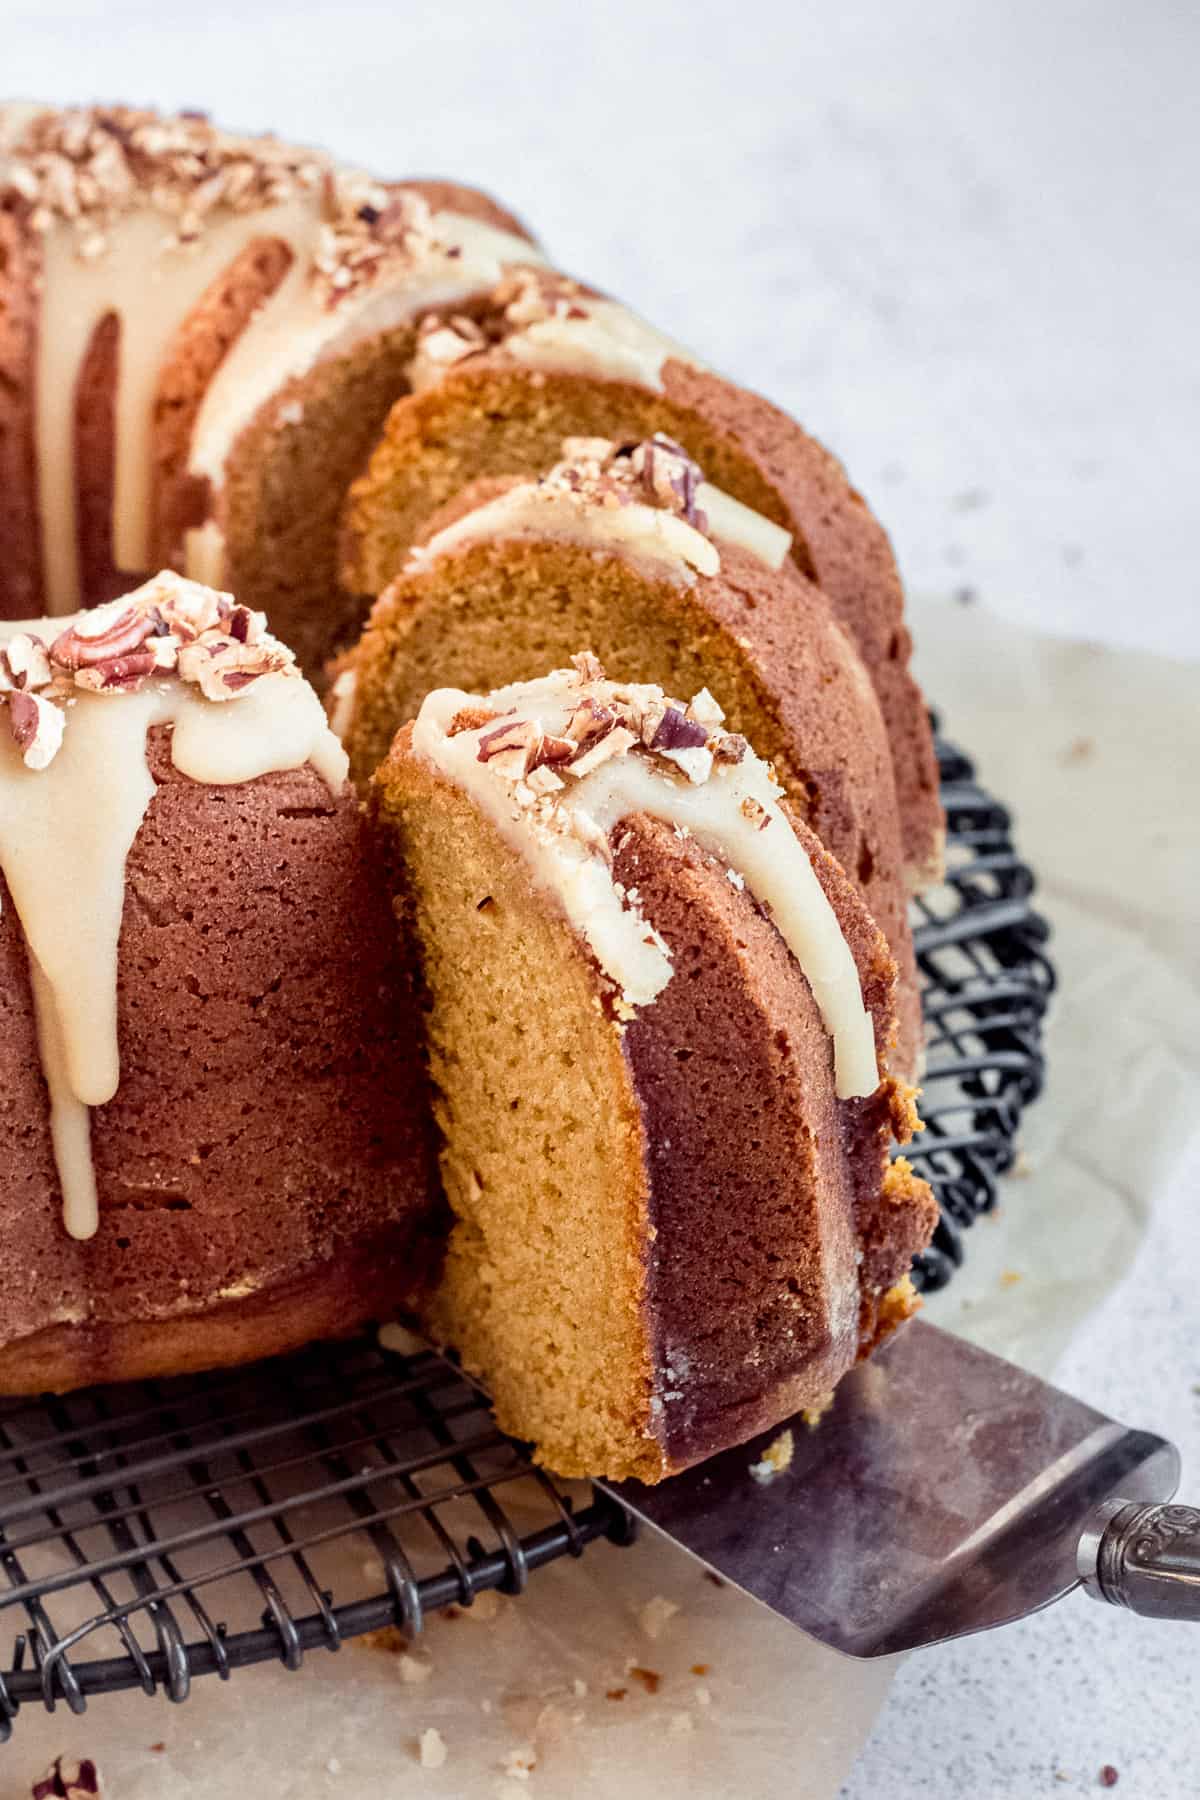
(656,1615)
(776,1458)
(431,1748)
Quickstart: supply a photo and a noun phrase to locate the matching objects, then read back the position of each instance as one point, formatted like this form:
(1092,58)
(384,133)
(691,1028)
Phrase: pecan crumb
(67,1779)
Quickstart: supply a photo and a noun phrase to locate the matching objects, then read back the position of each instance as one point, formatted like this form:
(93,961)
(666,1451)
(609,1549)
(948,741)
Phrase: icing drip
(296,328)
(138,218)
(578,336)
(65,834)
(654,539)
(607,340)
(561,822)
(604,499)
(152,286)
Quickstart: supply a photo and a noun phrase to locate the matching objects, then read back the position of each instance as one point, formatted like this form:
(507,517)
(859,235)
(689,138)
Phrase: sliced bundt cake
(658,1019)
(497,392)
(212,1116)
(200,337)
(671,581)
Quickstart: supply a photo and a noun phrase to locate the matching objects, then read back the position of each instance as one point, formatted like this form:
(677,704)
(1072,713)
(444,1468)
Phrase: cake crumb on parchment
(656,1615)
(775,1459)
(431,1748)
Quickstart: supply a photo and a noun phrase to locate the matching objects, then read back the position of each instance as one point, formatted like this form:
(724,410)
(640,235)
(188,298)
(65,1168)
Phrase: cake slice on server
(213,1121)
(200,336)
(670,580)
(658,1021)
(495,394)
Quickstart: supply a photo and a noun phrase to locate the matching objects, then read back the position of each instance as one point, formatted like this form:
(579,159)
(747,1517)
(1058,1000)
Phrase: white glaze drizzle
(153,284)
(654,537)
(295,329)
(583,337)
(65,835)
(649,536)
(566,857)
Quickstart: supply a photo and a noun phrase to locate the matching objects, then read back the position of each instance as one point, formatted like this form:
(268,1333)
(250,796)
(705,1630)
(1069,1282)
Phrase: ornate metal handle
(1144,1557)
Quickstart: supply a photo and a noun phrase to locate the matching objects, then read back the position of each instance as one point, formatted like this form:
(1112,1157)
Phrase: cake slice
(213,1121)
(495,393)
(670,580)
(658,1017)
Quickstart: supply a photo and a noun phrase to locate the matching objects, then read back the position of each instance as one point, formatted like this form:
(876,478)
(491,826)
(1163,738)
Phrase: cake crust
(267,1138)
(488,416)
(726,1197)
(764,641)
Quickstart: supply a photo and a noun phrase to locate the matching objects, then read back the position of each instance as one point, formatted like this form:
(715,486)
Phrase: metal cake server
(946,1492)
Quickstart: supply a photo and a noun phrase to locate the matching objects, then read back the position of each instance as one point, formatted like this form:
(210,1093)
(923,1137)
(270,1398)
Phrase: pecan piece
(510,747)
(728,747)
(36,726)
(614,743)
(222,668)
(704,709)
(677,732)
(588,722)
(67,1779)
(669,475)
(587,666)
(755,812)
(124,674)
(24,662)
(109,631)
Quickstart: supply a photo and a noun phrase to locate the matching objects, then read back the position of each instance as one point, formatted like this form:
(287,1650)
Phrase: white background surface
(962,242)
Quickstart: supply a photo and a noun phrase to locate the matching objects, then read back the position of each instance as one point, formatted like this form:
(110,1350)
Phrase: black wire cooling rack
(153,1533)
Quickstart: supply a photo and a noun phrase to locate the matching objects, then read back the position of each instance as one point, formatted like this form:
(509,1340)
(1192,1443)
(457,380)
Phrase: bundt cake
(200,338)
(212,1117)
(658,1019)
(669,580)
(495,394)
(667,1037)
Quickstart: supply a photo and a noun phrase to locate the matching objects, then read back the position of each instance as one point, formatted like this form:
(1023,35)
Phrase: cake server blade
(946,1492)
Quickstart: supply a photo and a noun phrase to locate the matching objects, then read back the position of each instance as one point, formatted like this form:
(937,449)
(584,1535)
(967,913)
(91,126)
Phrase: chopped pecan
(244,625)
(728,747)
(587,666)
(754,811)
(553,749)
(24,662)
(543,780)
(589,721)
(614,743)
(118,673)
(222,668)
(67,1779)
(695,761)
(511,746)
(36,726)
(670,476)
(705,710)
(113,630)
(677,732)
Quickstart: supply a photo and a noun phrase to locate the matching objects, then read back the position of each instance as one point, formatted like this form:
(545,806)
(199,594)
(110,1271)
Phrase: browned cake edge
(730,1072)
(270,1133)
(516,419)
(764,641)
